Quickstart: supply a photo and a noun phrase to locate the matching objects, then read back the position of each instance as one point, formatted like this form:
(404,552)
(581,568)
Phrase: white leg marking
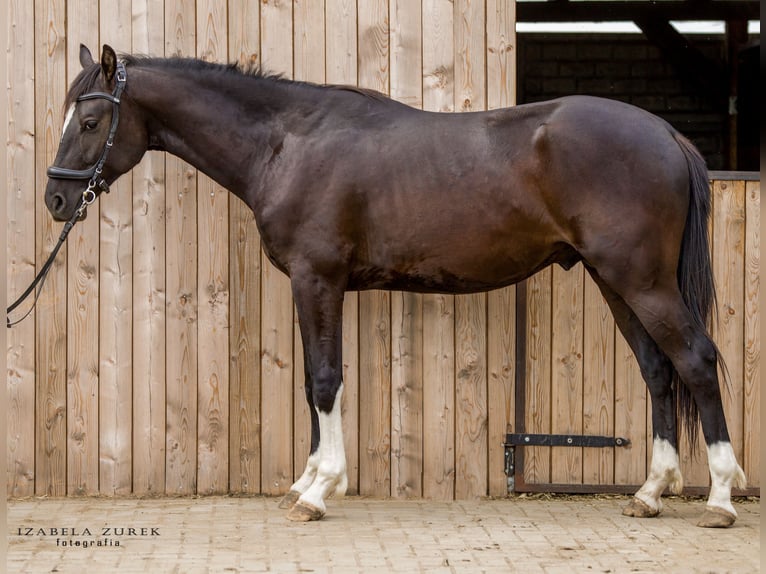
(67,119)
(302,484)
(665,471)
(724,472)
(331,472)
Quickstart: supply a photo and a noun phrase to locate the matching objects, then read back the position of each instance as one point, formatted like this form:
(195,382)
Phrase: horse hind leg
(657,371)
(666,318)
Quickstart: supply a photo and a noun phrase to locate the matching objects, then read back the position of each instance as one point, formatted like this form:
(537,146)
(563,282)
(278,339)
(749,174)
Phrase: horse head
(93,152)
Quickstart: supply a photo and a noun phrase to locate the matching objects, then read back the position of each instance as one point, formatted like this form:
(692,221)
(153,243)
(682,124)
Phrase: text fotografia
(87,537)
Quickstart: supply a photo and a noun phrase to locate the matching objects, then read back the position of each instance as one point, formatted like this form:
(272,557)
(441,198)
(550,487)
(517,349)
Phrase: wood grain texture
(470,310)
(20,179)
(537,462)
(501,304)
(148,439)
(471,475)
(374,306)
(83,301)
(181,281)
(438,310)
(567,371)
(213,285)
(115,335)
(277,304)
(245,301)
(51,315)
(729,272)
(752,336)
(406,308)
(598,383)
(630,415)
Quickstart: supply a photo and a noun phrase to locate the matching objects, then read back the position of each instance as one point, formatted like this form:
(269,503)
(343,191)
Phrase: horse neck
(210,126)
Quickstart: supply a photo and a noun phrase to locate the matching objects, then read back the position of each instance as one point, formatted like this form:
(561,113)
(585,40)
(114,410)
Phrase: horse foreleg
(319,304)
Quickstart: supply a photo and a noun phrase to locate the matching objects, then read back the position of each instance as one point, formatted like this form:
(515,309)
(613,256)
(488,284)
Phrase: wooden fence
(164,358)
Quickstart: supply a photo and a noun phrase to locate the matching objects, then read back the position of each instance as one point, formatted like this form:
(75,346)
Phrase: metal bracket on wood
(512,440)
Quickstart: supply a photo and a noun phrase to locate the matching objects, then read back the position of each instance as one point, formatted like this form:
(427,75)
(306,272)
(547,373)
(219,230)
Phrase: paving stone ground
(250,534)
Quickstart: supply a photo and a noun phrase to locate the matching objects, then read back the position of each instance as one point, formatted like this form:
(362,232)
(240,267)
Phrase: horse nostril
(57,203)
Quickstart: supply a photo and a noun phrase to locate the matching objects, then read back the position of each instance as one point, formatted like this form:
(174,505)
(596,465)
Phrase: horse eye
(89,125)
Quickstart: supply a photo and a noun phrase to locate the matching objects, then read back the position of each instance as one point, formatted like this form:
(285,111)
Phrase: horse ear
(108,62)
(86,60)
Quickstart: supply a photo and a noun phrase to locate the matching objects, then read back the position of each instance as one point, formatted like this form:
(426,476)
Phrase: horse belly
(471,267)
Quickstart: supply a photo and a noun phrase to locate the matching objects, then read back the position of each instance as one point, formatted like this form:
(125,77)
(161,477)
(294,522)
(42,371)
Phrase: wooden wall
(164,356)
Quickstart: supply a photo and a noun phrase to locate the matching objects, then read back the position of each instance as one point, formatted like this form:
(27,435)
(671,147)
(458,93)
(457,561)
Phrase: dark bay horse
(352,191)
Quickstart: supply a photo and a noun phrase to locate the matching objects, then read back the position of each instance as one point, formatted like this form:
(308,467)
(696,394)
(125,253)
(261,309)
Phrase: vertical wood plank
(83,298)
(341,68)
(115,334)
(181,285)
(374,306)
(149,284)
(630,416)
(471,477)
(752,339)
(598,384)
(51,315)
(729,272)
(277,304)
(501,303)
(213,285)
(438,310)
(245,301)
(20,153)
(406,308)
(537,463)
(567,361)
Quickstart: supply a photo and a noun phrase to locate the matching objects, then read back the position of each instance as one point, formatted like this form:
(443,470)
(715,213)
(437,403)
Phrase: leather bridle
(96,182)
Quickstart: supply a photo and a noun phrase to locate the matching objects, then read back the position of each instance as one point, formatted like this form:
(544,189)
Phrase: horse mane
(248,69)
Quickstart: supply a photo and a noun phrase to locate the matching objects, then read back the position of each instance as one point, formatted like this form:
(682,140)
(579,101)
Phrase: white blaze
(67,119)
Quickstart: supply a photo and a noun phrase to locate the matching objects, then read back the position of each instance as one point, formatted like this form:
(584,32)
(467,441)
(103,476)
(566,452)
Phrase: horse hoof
(639,509)
(715,517)
(304,512)
(289,499)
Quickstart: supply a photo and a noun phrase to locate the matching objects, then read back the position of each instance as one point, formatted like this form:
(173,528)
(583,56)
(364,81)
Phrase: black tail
(695,275)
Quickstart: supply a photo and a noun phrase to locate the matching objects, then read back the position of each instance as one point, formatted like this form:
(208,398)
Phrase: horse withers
(354,191)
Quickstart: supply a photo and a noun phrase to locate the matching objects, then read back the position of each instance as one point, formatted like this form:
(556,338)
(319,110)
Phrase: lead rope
(88,197)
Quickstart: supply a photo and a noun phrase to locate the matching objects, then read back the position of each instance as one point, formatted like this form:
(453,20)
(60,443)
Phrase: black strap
(42,274)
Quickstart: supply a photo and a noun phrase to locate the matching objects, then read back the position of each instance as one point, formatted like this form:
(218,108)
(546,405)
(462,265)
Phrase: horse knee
(700,373)
(325,387)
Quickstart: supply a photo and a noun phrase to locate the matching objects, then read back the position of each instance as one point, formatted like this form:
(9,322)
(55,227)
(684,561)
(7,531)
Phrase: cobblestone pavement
(231,534)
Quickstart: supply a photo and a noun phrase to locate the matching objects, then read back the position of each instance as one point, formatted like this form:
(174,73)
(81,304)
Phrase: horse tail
(695,276)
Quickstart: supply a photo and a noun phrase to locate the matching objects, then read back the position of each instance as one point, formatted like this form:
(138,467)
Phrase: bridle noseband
(96,182)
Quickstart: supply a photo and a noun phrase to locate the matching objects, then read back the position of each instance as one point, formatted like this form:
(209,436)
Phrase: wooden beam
(593,11)
(691,64)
